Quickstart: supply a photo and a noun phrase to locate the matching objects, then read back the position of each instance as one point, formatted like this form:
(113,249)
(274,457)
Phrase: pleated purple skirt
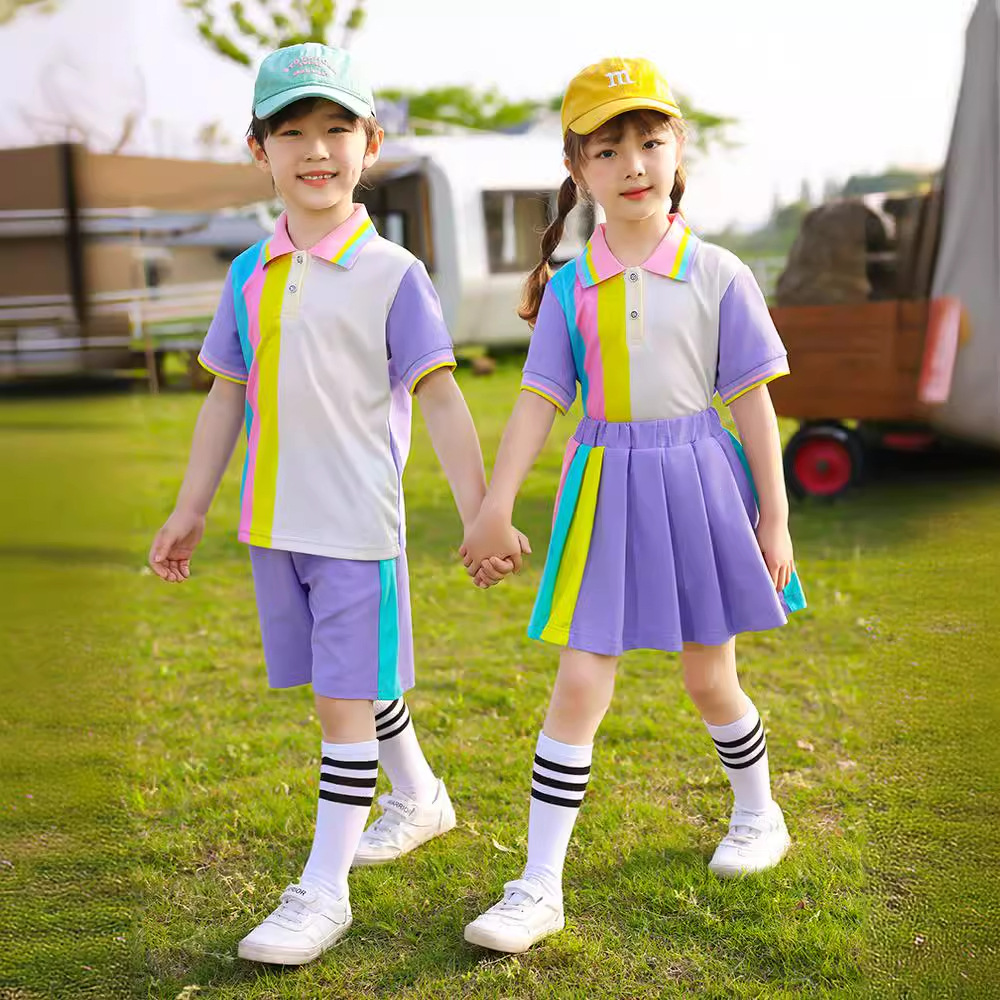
(653,542)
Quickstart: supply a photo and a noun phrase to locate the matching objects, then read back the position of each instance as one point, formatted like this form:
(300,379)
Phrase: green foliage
(249,29)
(9,9)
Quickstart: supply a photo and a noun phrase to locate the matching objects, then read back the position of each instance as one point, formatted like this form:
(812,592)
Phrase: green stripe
(388,633)
(560,530)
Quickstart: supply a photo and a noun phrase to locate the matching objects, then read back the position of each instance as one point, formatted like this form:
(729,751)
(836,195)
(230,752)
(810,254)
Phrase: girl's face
(316,160)
(630,171)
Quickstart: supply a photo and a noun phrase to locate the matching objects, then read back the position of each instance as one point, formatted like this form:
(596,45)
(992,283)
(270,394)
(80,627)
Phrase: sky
(820,91)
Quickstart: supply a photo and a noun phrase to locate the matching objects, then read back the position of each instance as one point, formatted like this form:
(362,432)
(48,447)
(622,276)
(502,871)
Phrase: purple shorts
(342,625)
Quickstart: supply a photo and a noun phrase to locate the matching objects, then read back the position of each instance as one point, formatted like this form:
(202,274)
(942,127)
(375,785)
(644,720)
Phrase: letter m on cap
(619,78)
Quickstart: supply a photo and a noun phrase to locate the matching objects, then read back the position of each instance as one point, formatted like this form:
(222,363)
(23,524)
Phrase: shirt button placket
(633,306)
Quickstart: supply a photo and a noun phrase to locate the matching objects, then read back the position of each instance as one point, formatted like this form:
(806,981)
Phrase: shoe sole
(484,939)
(276,956)
(724,871)
(370,861)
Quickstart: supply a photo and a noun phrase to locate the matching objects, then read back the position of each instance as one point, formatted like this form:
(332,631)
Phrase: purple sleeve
(750,350)
(549,369)
(415,331)
(221,352)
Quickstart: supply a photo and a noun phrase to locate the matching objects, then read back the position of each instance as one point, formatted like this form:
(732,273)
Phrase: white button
(634,314)
(632,276)
(293,288)
(298,259)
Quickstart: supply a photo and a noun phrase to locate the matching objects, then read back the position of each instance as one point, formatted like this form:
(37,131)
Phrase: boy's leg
(532,905)
(757,837)
(315,913)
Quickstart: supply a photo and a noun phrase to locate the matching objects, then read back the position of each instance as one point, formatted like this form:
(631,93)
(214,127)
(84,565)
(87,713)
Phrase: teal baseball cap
(311,70)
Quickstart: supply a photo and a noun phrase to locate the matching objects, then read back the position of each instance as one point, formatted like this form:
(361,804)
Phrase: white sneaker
(404,825)
(526,914)
(755,841)
(307,922)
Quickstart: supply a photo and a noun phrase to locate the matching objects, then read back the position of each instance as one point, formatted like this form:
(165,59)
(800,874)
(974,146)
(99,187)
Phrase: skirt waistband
(649,433)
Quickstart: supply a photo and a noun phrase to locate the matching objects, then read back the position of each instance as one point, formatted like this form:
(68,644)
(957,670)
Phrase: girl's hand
(491,571)
(776,547)
(492,534)
(170,554)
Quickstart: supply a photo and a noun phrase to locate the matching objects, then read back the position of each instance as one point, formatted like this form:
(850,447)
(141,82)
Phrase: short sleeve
(550,370)
(416,335)
(221,352)
(750,351)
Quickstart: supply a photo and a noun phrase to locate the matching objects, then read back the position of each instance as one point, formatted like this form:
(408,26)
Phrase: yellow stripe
(544,395)
(228,378)
(614,349)
(574,557)
(267,356)
(679,259)
(354,239)
(589,259)
(763,381)
(423,375)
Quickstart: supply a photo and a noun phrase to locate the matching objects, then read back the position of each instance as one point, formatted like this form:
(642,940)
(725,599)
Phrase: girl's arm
(758,429)
(215,434)
(523,438)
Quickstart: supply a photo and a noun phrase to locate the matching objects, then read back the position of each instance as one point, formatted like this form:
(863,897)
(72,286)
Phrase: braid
(534,284)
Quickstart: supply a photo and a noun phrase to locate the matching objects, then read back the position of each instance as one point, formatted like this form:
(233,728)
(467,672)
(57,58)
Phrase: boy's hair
(574,148)
(261,128)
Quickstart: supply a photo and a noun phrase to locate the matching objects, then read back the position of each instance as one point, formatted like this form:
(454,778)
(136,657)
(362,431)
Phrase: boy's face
(316,159)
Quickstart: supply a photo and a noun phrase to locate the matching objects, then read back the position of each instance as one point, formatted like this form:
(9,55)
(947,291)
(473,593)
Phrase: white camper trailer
(473,208)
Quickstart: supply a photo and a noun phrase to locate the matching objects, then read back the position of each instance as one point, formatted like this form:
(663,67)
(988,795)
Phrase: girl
(660,539)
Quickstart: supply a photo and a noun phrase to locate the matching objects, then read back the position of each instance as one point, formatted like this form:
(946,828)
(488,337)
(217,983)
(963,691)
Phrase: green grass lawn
(156,796)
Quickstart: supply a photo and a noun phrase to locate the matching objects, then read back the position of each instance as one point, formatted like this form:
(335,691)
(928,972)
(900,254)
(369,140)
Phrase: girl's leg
(532,905)
(757,837)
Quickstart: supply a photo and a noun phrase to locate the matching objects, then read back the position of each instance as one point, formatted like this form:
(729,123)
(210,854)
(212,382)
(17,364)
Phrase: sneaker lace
(517,895)
(291,910)
(745,827)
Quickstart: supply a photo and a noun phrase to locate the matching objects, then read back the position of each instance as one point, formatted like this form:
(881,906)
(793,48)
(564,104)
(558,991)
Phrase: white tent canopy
(968,260)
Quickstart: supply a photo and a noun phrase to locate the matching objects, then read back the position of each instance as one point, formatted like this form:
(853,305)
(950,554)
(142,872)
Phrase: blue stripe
(564,287)
(560,530)
(793,594)
(388,633)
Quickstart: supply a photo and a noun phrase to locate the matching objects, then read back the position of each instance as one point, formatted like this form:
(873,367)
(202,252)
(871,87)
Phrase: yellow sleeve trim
(544,395)
(435,368)
(763,381)
(228,378)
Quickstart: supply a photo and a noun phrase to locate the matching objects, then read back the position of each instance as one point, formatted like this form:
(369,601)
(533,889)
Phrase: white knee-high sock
(742,748)
(346,787)
(400,754)
(559,780)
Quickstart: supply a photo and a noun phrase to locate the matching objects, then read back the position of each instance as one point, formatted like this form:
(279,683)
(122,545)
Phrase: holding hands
(492,547)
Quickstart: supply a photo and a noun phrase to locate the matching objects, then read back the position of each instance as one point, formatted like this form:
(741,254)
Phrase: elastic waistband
(649,433)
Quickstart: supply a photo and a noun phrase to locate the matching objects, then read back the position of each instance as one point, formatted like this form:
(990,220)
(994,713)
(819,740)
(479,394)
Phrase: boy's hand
(491,571)
(776,547)
(175,542)
(492,534)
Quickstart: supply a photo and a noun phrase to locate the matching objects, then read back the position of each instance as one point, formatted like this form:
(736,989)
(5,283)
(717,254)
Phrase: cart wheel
(823,460)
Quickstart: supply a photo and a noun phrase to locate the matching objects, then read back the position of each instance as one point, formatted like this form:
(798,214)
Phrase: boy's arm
(215,435)
(757,424)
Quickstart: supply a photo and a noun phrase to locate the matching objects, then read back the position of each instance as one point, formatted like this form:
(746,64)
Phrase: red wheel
(822,461)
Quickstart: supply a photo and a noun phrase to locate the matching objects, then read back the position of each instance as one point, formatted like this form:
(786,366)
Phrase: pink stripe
(548,389)
(571,447)
(605,262)
(586,321)
(252,291)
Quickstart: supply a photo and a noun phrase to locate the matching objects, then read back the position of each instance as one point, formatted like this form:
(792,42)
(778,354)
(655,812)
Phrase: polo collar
(671,258)
(340,247)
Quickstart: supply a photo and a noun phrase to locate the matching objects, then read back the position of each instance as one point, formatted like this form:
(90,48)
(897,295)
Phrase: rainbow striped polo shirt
(330,343)
(656,340)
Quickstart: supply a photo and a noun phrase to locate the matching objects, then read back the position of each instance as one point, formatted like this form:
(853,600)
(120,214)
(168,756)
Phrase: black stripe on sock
(391,722)
(744,751)
(388,708)
(746,763)
(554,801)
(395,732)
(351,765)
(568,786)
(347,800)
(342,779)
(742,739)
(561,768)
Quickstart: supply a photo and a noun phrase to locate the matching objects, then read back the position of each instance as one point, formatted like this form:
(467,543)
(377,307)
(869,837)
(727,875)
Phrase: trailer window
(515,221)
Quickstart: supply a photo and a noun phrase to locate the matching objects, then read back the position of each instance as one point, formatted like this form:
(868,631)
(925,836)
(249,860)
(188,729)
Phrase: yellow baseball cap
(611,87)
